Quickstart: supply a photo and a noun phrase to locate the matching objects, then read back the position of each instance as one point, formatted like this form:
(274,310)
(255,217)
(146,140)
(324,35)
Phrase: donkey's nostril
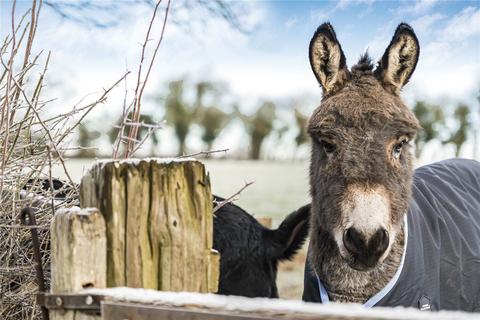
(354,241)
(379,242)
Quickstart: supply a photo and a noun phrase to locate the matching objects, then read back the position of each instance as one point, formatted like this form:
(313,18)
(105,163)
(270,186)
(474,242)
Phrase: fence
(149,227)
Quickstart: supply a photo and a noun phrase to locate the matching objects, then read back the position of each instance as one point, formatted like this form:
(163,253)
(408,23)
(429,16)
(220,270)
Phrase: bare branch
(141,83)
(206,153)
(232,197)
(32,143)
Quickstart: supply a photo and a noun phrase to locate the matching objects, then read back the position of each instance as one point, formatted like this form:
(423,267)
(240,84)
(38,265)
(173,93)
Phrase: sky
(269,62)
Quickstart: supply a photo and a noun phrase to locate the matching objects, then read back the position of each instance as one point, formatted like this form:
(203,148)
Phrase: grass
(279,187)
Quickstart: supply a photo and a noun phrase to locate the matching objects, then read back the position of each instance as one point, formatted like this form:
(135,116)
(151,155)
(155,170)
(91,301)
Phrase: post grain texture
(79,248)
(159,222)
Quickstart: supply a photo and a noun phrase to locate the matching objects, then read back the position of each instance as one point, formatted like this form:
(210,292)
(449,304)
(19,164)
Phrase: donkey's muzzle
(365,251)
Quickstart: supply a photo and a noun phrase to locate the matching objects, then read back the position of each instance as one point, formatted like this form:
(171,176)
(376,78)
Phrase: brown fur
(364,118)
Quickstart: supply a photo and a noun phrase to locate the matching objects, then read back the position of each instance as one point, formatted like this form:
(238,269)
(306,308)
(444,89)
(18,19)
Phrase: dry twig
(232,197)
(132,142)
(202,153)
(31,142)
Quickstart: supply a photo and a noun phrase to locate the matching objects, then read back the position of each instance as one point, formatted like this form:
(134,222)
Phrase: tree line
(432,118)
(212,115)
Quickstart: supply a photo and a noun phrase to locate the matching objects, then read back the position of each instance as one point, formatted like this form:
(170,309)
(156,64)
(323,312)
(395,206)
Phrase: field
(279,188)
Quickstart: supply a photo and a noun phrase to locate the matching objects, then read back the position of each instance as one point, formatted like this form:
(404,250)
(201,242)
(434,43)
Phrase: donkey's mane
(364,64)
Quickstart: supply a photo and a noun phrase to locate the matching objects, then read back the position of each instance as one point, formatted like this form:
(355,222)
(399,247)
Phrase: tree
(431,119)
(459,136)
(213,121)
(85,140)
(301,121)
(476,130)
(258,126)
(180,114)
(201,88)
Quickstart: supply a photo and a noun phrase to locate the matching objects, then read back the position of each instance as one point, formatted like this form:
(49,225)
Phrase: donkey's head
(361,169)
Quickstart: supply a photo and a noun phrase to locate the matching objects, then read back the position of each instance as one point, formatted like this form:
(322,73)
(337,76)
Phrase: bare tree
(258,126)
(212,119)
(476,130)
(301,120)
(86,139)
(179,113)
(459,135)
(431,118)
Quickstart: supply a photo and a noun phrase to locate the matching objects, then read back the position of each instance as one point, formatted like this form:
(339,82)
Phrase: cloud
(423,24)
(320,15)
(377,46)
(419,7)
(463,25)
(449,67)
(342,4)
(86,59)
(449,43)
(326,14)
(291,22)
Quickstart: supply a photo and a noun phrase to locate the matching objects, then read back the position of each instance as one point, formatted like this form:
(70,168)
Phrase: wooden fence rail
(140,304)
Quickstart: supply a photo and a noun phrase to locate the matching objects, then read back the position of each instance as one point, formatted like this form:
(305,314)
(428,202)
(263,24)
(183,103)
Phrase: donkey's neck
(345,284)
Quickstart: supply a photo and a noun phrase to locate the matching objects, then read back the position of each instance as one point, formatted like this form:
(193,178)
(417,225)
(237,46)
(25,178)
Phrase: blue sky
(356,22)
(272,61)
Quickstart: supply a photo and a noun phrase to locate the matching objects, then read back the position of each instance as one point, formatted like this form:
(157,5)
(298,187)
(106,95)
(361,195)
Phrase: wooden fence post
(159,222)
(78,256)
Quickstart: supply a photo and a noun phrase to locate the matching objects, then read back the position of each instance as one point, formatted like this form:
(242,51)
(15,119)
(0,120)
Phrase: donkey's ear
(327,59)
(284,242)
(400,59)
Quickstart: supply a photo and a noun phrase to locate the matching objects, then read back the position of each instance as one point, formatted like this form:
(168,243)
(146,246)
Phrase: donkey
(372,240)
(250,253)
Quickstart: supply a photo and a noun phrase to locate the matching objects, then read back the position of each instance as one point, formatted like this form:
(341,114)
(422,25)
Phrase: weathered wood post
(159,223)
(79,249)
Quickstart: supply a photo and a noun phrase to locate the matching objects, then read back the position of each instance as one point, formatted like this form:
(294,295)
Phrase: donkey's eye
(327,146)
(397,149)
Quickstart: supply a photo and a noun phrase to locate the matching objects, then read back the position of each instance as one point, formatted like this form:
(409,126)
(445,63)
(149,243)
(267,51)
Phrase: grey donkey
(382,234)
